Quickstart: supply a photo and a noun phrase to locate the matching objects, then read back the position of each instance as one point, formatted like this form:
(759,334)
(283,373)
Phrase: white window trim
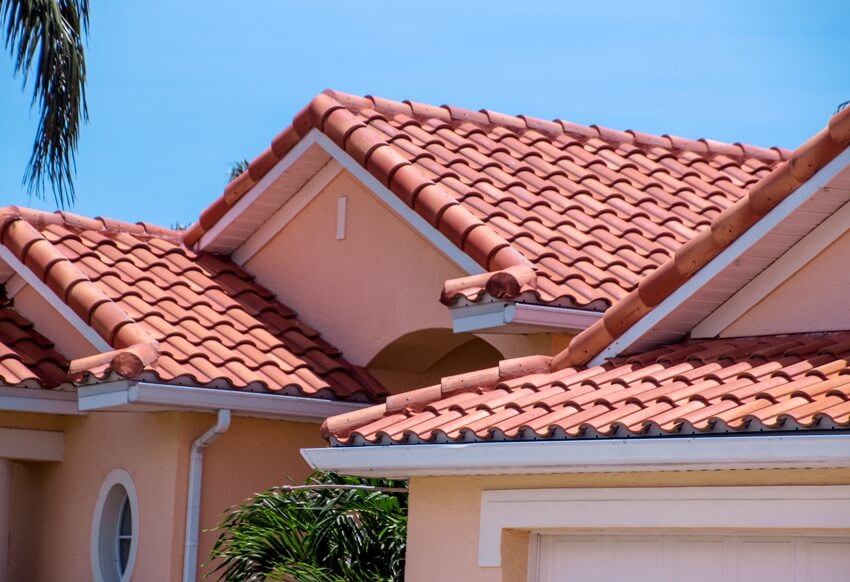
(115,477)
(717,508)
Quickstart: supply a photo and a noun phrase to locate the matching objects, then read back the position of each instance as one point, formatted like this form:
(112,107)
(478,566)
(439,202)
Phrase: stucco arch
(423,357)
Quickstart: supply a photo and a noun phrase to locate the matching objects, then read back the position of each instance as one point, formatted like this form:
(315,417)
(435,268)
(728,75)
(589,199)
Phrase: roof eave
(127,395)
(798,451)
(519,318)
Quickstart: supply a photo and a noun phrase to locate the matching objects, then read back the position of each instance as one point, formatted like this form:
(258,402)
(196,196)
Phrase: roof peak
(521,122)
(98,223)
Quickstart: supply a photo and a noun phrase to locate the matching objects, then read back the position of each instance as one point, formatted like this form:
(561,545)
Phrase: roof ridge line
(98,223)
(489,118)
(135,347)
(724,229)
(486,379)
(314,114)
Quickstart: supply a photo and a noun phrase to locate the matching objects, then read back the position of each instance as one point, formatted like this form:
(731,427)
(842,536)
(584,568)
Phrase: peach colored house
(698,429)
(149,379)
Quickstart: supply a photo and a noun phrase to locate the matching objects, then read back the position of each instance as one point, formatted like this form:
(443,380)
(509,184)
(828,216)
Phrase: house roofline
(701,453)
(127,395)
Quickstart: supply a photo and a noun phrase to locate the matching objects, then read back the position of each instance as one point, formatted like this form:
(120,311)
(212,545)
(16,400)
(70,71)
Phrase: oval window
(115,529)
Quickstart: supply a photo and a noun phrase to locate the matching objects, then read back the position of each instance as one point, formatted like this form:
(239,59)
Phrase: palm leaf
(45,39)
(331,529)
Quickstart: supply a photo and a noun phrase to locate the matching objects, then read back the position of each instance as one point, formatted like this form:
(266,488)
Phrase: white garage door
(703,558)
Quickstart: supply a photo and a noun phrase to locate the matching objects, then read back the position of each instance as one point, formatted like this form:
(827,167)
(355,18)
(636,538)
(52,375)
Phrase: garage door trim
(755,507)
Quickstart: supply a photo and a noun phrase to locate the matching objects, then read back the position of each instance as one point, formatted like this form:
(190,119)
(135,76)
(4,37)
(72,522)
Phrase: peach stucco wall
(379,283)
(813,299)
(53,503)
(444,514)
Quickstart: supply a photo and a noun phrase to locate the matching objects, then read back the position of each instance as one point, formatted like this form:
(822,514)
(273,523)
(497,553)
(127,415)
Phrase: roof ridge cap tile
(487,379)
(725,228)
(40,218)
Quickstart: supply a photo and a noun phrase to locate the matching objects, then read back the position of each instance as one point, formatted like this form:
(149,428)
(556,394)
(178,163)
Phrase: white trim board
(38,400)
(586,456)
(286,213)
(55,302)
(744,242)
(21,444)
(340,157)
(145,396)
(510,317)
(757,507)
(256,191)
(777,273)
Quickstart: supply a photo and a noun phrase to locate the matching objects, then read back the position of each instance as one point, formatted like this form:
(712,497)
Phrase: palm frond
(331,529)
(45,39)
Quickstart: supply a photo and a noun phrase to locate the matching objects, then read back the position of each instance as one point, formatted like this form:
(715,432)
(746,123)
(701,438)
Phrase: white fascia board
(286,213)
(394,203)
(384,195)
(126,395)
(726,258)
(48,295)
(503,316)
(777,273)
(587,456)
(31,445)
(38,400)
(257,190)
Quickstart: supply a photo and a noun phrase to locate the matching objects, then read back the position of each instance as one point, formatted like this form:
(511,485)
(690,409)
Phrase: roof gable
(174,315)
(576,215)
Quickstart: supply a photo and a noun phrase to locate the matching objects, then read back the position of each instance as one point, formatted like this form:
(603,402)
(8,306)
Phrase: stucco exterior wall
(445,511)
(54,503)
(379,283)
(813,299)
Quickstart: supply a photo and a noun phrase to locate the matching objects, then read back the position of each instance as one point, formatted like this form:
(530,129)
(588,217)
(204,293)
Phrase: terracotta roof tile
(503,187)
(724,228)
(174,315)
(27,359)
(773,383)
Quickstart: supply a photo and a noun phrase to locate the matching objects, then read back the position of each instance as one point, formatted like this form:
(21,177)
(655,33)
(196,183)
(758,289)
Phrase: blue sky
(180,90)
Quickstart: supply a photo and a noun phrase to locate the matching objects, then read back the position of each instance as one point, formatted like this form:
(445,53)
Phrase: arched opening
(423,357)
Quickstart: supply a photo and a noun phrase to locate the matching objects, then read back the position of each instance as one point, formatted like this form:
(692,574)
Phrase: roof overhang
(38,400)
(291,184)
(588,456)
(806,210)
(519,318)
(150,397)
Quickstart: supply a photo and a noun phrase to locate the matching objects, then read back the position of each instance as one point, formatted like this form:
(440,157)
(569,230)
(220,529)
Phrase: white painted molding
(126,395)
(48,295)
(510,317)
(286,213)
(21,444)
(383,194)
(39,400)
(394,203)
(585,456)
(256,191)
(758,507)
(744,242)
(105,520)
(777,273)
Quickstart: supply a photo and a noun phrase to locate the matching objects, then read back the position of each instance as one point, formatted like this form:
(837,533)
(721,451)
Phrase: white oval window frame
(107,505)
